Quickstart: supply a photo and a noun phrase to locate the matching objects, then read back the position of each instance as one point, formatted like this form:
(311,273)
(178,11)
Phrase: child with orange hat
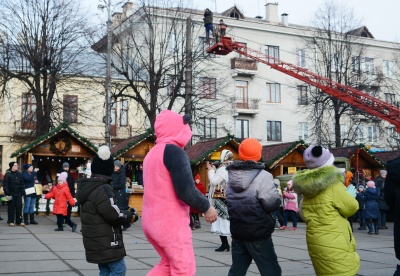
(252,198)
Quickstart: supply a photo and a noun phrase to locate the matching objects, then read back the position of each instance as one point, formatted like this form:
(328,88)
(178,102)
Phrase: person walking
(325,207)
(14,189)
(383,207)
(290,207)
(361,206)
(170,189)
(218,178)
(61,195)
(371,195)
(101,218)
(30,179)
(119,185)
(277,213)
(392,198)
(251,199)
(71,185)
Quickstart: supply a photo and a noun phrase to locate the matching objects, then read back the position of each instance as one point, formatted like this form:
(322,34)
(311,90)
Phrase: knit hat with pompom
(317,156)
(63,177)
(103,162)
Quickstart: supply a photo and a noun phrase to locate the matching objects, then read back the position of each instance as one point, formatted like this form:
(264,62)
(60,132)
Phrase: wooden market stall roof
(43,145)
(129,143)
(386,156)
(273,154)
(351,151)
(201,150)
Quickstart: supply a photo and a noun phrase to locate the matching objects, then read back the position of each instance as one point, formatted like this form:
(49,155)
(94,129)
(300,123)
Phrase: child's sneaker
(293,229)
(282,228)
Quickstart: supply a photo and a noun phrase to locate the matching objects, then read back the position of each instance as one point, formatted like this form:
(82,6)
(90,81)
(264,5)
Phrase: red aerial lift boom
(348,94)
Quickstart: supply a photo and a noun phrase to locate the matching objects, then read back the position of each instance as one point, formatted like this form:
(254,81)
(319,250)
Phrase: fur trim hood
(309,183)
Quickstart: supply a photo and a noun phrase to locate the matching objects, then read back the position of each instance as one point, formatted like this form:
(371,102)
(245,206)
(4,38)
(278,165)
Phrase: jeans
(29,205)
(263,254)
(15,210)
(209,27)
(117,268)
(292,215)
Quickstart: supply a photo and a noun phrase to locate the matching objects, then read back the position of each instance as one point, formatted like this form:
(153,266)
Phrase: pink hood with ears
(170,129)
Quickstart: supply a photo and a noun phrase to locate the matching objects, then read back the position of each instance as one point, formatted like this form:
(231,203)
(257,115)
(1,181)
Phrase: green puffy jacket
(325,207)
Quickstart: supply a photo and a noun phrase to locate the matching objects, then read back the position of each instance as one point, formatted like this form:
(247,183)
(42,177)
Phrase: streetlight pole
(108,71)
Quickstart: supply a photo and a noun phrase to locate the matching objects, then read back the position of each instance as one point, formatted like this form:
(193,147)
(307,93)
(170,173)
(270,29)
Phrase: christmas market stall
(362,162)
(284,159)
(386,156)
(210,151)
(131,152)
(50,151)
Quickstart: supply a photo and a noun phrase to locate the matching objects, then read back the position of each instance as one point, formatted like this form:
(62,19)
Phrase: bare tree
(149,52)
(338,53)
(41,41)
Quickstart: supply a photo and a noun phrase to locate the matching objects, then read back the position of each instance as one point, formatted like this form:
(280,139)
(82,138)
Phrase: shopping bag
(39,189)
(29,191)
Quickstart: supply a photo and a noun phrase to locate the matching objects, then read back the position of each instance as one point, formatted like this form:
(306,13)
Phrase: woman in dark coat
(118,184)
(383,207)
(371,195)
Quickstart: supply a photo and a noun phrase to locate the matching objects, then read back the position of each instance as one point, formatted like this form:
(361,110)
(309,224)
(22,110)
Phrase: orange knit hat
(250,149)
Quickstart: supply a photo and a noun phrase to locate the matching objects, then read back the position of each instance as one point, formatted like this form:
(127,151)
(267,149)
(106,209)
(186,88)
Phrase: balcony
(244,67)
(245,106)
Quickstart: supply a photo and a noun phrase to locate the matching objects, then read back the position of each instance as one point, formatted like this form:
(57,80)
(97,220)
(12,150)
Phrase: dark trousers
(15,210)
(61,218)
(277,216)
(292,215)
(361,218)
(382,220)
(263,254)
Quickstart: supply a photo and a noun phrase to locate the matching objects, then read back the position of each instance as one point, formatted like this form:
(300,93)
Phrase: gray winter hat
(118,163)
(65,164)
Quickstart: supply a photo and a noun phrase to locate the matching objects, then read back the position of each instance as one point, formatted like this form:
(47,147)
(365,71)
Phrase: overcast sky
(382,17)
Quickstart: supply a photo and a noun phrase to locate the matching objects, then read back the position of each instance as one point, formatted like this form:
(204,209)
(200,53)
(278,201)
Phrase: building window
(70,109)
(303,94)
(303,131)
(28,118)
(242,100)
(369,67)
(372,134)
(390,98)
(355,64)
(301,57)
(392,136)
(274,131)
(123,113)
(273,92)
(208,88)
(359,134)
(209,127)
(242,129)
(388,68)
(273,53)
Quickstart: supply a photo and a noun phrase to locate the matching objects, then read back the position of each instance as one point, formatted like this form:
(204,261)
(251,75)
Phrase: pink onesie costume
(169,191)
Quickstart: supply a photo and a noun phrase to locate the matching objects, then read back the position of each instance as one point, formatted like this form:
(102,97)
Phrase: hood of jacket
(170,129)
(242,174)
(87,185)
(372,193)
(310,183)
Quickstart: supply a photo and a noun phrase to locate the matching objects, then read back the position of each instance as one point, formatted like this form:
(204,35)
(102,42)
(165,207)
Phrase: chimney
(271,12)
(116,19)
(285,19)
(126,8)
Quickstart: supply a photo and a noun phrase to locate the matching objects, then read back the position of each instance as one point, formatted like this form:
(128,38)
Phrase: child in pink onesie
(169,192)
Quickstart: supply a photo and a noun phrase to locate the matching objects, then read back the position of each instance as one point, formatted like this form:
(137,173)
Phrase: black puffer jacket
(251,198)
(101,220)
(118,184)
(13,184)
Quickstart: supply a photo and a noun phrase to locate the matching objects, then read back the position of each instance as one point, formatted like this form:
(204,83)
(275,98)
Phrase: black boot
(26,221)
(224,246)
(32,216)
